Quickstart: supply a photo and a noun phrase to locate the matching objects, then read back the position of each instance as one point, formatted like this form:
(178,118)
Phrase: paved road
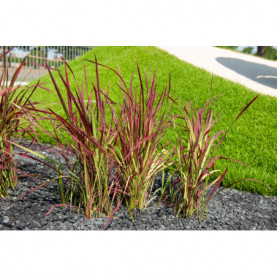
(253,72)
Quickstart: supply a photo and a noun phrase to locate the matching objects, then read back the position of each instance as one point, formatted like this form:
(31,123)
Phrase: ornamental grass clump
(194,165)
(14,100)
(86,139)
(138,150)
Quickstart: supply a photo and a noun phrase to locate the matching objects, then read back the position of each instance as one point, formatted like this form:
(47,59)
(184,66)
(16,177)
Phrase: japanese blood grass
(14,123)
(88,154)
(129,142)
(139,135)
(194,164)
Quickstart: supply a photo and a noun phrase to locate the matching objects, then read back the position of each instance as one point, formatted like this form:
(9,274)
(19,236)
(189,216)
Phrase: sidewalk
(22,84)
(253,72)
(26,75)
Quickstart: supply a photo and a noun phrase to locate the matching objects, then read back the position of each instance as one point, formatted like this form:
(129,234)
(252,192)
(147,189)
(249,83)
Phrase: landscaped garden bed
(229,210)
(146,161)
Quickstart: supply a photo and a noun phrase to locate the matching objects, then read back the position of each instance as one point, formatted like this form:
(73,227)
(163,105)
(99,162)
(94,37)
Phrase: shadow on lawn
(263,74)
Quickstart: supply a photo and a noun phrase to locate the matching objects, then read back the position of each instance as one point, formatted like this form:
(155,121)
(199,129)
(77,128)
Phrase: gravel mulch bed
(228,210)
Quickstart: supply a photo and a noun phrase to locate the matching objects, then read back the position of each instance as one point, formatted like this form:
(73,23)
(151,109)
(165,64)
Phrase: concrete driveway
(253,72)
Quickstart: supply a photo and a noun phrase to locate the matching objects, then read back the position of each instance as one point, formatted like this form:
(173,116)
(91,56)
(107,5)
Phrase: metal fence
(36,54)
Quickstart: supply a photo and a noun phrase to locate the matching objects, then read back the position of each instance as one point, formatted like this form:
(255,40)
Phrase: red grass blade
(59,205)
(5,53)
(216,186)
(243,110)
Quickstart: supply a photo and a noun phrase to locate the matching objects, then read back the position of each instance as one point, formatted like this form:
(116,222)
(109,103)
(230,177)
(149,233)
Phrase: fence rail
(35,54)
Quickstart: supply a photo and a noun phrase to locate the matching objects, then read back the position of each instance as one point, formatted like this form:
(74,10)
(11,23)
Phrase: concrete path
(22,84)
(26,75)
(253,72)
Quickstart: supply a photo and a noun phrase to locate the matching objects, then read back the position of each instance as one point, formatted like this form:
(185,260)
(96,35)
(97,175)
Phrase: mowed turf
(252,139)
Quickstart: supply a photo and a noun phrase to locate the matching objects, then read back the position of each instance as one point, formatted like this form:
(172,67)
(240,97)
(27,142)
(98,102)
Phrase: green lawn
(252,139)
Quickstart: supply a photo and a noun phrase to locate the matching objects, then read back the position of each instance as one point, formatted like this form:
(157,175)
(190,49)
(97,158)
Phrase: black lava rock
(229,210)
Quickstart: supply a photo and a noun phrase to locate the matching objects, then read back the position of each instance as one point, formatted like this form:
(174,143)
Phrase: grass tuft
(14,123)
